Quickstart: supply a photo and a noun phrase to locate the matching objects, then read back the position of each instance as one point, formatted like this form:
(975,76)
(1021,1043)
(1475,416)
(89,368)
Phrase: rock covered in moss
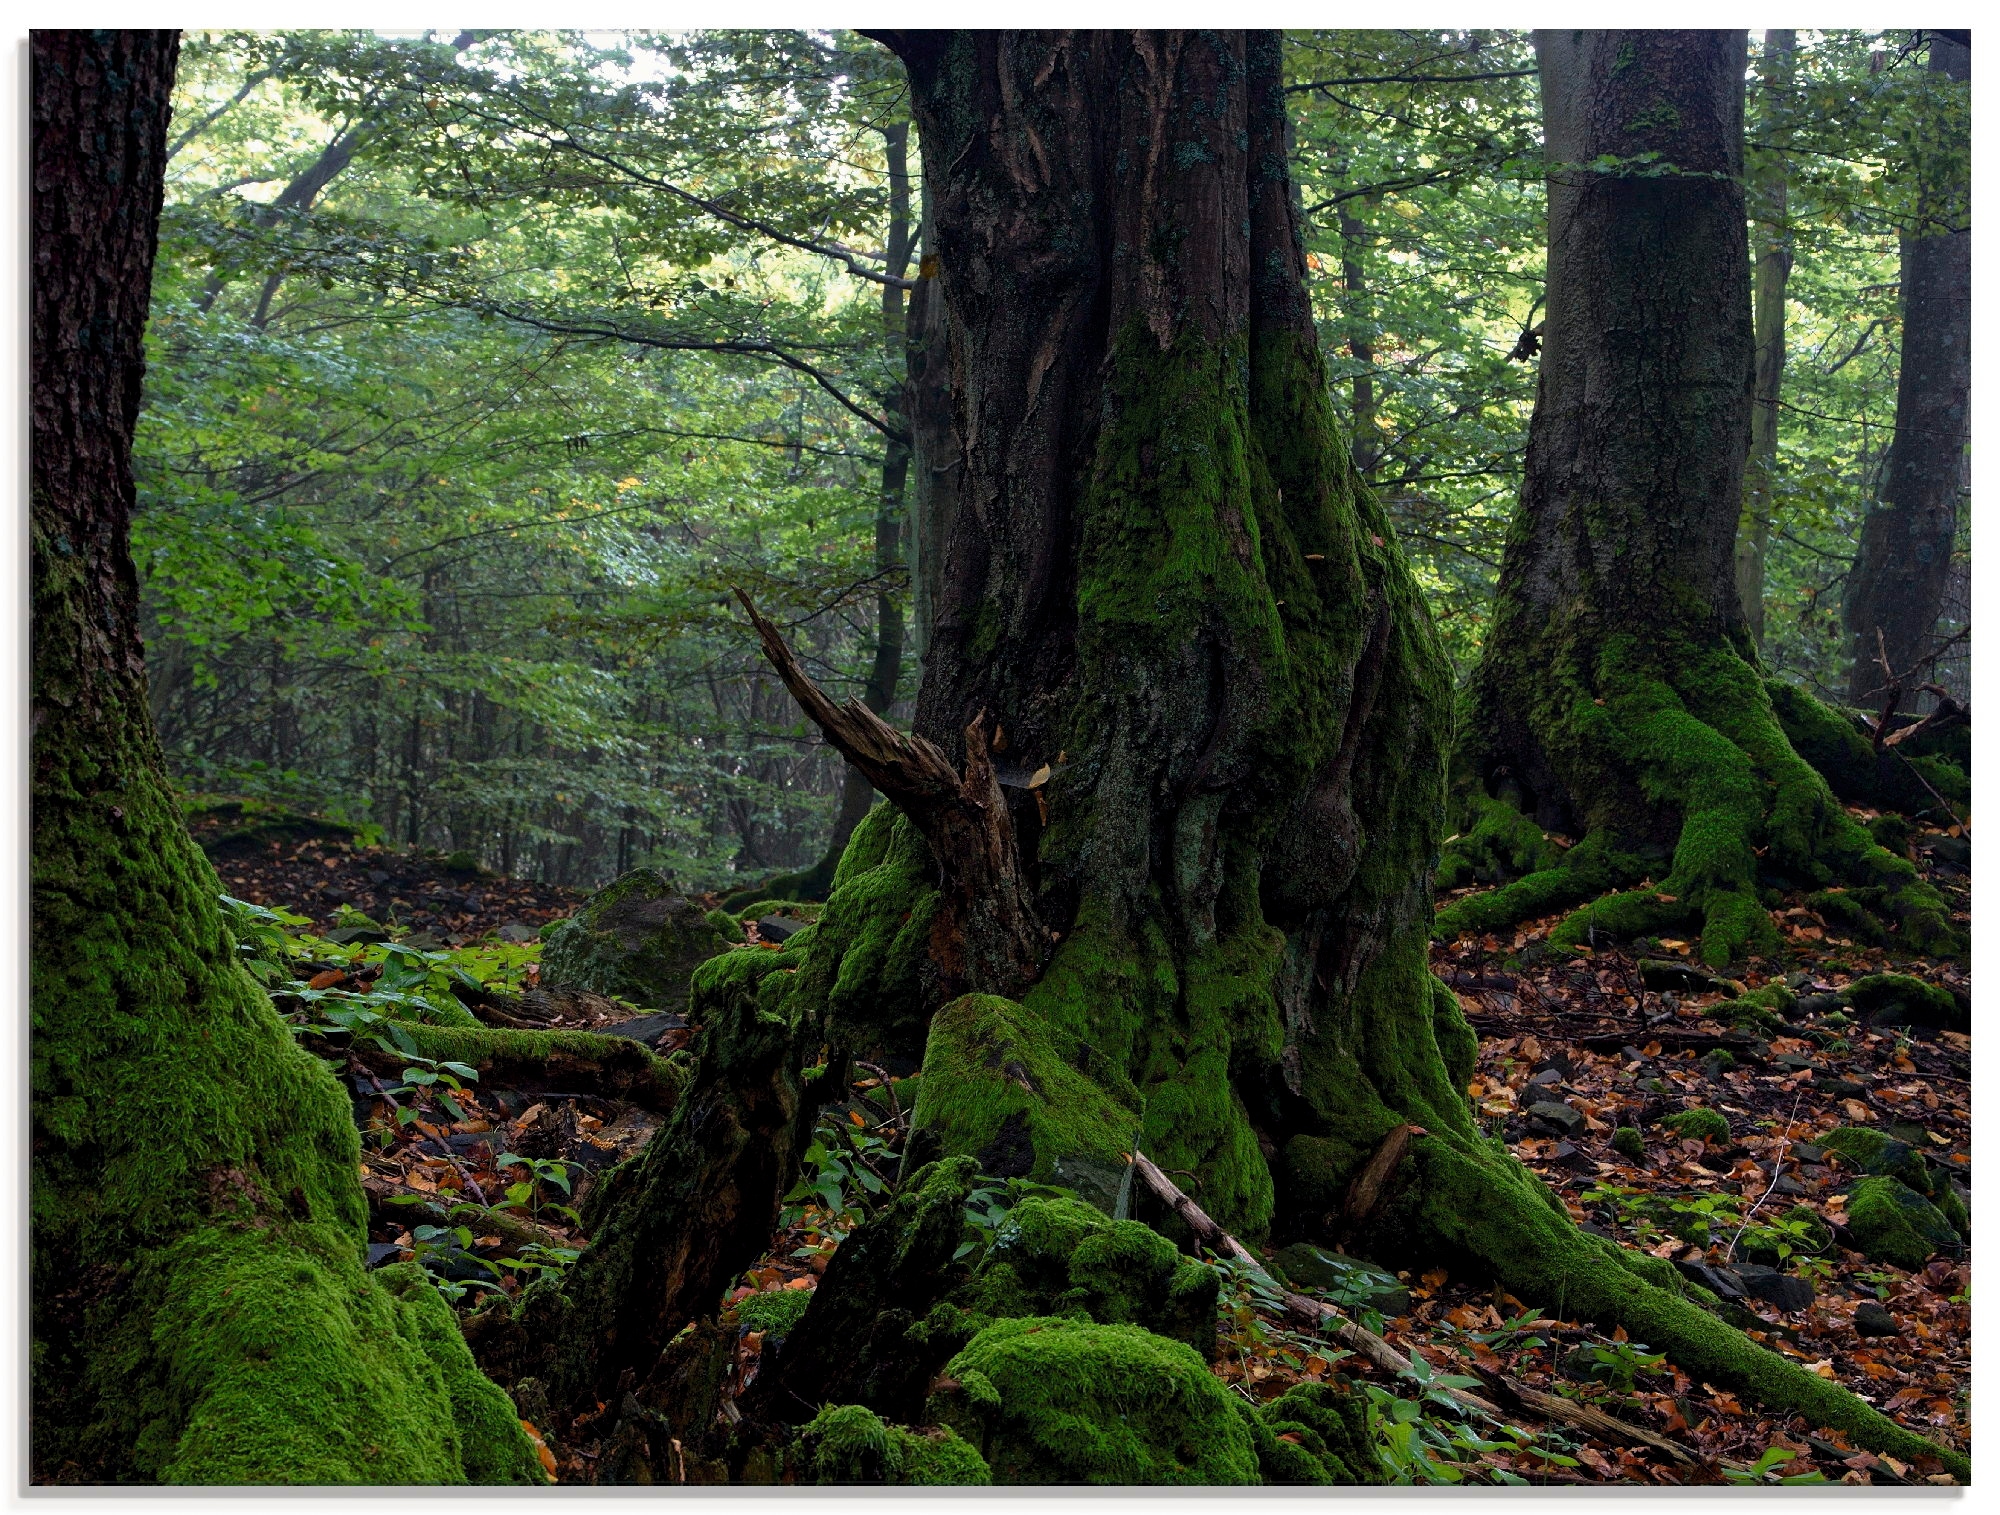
(1051,1400)
(998,1084)
(1627,1142)
(1062,1257)
(1314,1434)
(1876,1152)
(1700,1124)
(1892,1223)
(1897,996)
(637,939)
(850,1444)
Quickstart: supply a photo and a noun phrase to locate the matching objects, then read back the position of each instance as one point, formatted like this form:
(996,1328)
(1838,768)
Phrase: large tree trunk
(200,1311)
(1618,696)
(1771,237)
(1897,587)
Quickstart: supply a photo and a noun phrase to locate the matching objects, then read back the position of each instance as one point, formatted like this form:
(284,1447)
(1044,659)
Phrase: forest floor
(1571,1049)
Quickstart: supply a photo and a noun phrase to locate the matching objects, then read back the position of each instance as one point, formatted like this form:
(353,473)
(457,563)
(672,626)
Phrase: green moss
(1865,1151)
(196,1218)
(1677,731)
(1952,1206)
(998,1086)
(1909,998)
(1495,842)
(774,1310)
(1832,741)
(1314,1433)
(1627,1142)
(1893,1223)
(1703,1123)
(849,1444)
(636,939)
(1063,1257)
(1051,1400)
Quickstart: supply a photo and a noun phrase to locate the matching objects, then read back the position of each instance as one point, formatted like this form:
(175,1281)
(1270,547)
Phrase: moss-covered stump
(674,1224)
(1893,1223)
(847,1444)
(637,939)
(865,1337)
(1048,1400)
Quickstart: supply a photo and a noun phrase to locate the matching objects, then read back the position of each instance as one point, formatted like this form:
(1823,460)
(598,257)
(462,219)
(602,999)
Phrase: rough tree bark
(1618,698)
(1771,239)
(200,1310)
(1899,578)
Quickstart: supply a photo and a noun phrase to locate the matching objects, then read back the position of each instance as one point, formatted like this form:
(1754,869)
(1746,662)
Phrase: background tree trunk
(1771,240)
(200,1311)
(1899,577)
(1618,692)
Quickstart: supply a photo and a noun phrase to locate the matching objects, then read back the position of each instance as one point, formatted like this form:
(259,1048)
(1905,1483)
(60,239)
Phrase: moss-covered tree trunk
(1897,586)
(199,1305)
(1619,698)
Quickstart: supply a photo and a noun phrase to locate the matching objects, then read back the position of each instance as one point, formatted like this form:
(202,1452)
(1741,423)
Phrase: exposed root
(1492,1211)
(1708,747)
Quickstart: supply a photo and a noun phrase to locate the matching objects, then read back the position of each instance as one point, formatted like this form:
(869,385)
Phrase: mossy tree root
(1481,1206)
(1695,731)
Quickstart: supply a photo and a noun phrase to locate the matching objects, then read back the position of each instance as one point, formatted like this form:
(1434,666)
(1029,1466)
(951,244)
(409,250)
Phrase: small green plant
(1432,1439)
(1514,1334)
(1618,1364)
(842,1172)
(1764,1470)
(530,1193)
(439,1248)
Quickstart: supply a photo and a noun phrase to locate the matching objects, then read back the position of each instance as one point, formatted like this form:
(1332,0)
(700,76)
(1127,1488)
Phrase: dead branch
(1374,1349)
(988,936)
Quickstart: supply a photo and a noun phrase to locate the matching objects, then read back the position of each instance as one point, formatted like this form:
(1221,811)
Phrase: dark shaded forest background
(479,367)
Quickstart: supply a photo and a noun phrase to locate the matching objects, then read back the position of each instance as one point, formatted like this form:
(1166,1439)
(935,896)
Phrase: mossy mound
(1626,1141)
(1048,1400)
(1062,1257)
(775,1311)
(850,1444)
(1314,1434)
(997,1084)
(1897,996)
(637,939)
(1876,1152)
(1892,1223)
(1700,1124)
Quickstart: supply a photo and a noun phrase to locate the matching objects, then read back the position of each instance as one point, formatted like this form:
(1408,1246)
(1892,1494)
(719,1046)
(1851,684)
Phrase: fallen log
(1374,1349)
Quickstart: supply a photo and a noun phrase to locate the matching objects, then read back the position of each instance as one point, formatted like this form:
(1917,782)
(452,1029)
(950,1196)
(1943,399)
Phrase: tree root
(1692,733)
(579,1062)
(1494,1213)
